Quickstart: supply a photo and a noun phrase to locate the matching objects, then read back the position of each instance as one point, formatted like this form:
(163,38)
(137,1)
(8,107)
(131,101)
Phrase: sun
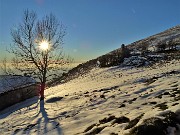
(44,45)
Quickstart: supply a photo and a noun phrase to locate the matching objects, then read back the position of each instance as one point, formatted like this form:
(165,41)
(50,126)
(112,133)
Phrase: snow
(156,55)
(135,61)
(95,96)
(136,52)
(8,82)
(178,47)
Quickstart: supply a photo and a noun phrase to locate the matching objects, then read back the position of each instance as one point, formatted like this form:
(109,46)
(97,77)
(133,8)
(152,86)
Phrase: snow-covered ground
(8,82)
(103,101)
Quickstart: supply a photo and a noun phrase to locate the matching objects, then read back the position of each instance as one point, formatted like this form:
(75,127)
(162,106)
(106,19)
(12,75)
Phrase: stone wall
(15,96)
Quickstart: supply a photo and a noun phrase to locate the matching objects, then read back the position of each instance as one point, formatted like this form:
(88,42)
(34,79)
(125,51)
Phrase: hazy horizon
(74,64)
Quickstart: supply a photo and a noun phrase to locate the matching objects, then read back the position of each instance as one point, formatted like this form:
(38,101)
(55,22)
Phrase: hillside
(105,101)
(168,37)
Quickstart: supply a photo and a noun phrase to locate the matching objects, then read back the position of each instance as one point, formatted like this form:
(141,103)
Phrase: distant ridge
(169,34)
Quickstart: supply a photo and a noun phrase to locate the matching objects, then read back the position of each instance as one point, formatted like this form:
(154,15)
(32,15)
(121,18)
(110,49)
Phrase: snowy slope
(104,100)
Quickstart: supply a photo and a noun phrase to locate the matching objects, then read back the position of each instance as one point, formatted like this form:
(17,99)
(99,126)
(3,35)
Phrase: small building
(15,88)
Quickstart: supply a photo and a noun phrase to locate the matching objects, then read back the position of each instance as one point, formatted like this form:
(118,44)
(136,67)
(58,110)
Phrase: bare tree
(37,47)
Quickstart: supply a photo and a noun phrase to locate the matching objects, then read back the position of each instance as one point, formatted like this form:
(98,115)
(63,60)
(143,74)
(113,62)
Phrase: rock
(113,96)
(122,105)
(153,102)
(133,122)
(121,120)
(96,131)
(166,93)
(162,106)
(175,104)
(105,120)
(16,131)
(89,128)
(102,96)
(86,92)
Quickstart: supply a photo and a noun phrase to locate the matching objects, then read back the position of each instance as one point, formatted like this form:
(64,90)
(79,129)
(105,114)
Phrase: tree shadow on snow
(28,104)
(44,124)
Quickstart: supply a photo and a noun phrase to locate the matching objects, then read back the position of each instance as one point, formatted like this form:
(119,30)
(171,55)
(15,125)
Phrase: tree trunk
(42,91)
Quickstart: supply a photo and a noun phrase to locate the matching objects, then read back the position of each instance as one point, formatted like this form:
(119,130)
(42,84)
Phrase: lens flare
(44,45)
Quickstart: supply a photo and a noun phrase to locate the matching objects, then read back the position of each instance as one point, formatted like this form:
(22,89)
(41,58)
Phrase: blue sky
(94,27)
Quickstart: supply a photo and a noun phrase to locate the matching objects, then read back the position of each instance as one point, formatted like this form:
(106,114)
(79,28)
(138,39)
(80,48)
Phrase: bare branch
(28,36)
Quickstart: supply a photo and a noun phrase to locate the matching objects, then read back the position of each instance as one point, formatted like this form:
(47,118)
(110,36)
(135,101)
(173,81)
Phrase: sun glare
(44,45)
